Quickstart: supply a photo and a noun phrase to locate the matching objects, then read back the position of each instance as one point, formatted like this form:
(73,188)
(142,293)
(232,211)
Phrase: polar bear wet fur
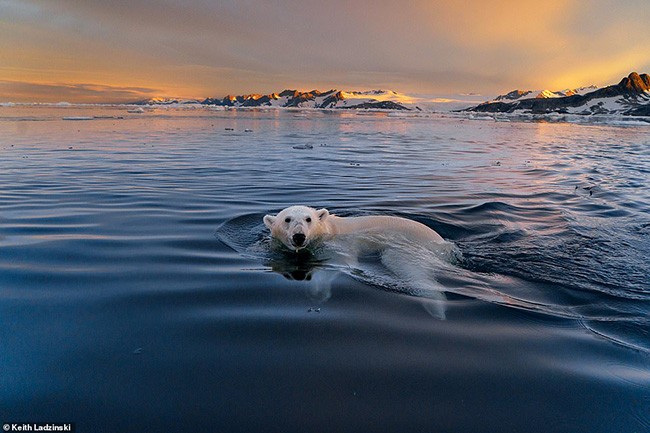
(299,226)
(410,250)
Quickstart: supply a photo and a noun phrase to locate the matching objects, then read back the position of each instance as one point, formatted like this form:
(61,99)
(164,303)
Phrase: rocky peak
(292,93)
(635,83)
(515,94)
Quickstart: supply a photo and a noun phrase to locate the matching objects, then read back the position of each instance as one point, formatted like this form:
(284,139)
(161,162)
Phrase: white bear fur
(320,224)
(410,250)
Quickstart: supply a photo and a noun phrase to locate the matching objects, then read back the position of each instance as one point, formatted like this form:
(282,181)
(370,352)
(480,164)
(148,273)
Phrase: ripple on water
(108,248)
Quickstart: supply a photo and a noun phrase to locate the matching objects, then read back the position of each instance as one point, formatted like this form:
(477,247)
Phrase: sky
(125,50)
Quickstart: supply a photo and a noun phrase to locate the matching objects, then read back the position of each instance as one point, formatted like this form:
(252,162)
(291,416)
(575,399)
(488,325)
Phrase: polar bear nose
(298,239)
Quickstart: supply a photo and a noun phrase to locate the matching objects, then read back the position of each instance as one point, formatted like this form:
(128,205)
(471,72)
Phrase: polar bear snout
(298,239)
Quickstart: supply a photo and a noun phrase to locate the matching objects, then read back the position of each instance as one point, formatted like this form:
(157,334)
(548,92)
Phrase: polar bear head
(297,226)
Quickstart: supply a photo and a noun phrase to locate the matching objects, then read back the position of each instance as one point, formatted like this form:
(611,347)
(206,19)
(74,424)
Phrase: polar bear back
(378,224)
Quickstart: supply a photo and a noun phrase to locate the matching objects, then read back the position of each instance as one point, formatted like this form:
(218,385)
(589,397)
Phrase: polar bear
(299,226)
(410,250)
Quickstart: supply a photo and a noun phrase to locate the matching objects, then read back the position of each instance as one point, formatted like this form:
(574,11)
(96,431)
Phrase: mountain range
(631,96)
(539,94)
(331,99)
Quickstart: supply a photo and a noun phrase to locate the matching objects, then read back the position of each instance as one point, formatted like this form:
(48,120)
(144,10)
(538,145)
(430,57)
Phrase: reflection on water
(139,290)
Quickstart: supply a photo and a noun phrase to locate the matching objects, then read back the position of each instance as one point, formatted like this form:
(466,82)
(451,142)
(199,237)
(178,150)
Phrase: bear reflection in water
(305,267)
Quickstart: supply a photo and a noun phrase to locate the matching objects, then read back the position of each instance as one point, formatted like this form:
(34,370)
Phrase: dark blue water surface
(138,291)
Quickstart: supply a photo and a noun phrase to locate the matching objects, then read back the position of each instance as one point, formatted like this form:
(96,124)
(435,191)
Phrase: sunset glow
(97,51)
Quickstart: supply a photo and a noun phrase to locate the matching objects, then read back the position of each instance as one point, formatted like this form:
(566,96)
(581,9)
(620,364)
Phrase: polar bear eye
(308,219)
(287,220)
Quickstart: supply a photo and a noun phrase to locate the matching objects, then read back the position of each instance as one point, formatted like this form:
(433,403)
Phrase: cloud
(17,91)
(202,48)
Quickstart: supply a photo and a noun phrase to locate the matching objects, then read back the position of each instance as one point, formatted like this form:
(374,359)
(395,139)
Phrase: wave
(509,267)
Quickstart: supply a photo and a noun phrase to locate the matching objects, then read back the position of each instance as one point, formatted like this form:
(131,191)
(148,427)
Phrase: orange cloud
(204,49)
(20,91)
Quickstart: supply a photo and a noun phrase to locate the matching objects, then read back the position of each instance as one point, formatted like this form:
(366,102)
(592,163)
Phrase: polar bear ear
(269,220)
(322,214)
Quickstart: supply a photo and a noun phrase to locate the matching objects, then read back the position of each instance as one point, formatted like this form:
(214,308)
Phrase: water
(138,291)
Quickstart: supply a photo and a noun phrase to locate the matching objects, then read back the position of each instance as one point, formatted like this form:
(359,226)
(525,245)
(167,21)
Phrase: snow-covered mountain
(540,94)
(376,99)
(166,101)
(332,99)
(631,96)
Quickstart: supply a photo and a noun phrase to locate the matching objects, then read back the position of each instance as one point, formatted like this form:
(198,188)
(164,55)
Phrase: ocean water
(139,290)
